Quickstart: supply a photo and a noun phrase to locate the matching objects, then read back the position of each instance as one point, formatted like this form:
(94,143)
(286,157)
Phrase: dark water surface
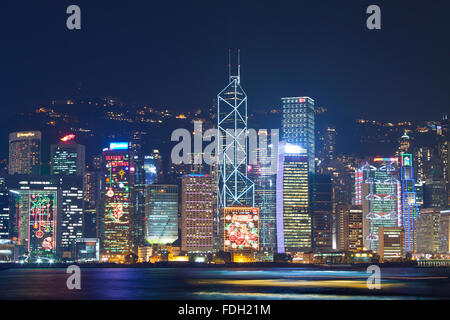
(224,283)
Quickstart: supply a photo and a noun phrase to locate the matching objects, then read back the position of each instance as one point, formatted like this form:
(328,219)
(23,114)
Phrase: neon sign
(118,146)
(68,137)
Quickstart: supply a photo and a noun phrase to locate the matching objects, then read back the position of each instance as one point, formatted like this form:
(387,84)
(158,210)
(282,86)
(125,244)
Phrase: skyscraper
(67,157)
(161,214)
(322,212)
(4,210)
(264,178)
(35,214)
(294,223)
(197,215)
(298,125)
(234,187)
(118,202)
(378,190)
(409,207)
(25,152)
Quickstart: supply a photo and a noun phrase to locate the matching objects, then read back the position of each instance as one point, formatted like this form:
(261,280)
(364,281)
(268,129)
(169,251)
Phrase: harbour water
(225,283)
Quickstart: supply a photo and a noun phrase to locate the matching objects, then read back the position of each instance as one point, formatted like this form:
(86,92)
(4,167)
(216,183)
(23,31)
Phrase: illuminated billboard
(118,146)
(42,221)
(241,229)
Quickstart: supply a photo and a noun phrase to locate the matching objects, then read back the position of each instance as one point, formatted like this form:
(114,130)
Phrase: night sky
(175,54)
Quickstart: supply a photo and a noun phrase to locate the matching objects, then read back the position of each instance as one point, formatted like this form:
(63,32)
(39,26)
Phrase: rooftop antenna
(229,64)
(239,66)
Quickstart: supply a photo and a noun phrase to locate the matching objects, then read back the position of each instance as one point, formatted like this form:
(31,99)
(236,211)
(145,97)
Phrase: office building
(409,206)
(161,214)
(391,243)
(67,157)
(322,212)
(4,210)
(25,153)
(198,213)
(298,125)
(378,190)
(263,175)
(427,231)
(234,186)
(349,228)
(118,202)
(294,223)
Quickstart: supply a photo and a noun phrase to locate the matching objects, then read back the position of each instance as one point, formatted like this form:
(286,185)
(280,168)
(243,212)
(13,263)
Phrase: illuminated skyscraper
(118,201)
(197,215)
(36,214)
(322,212)
(67,157)
(234,187)
(161,214)
(409,206)
(349,228)
(294,223)
(298,125)
(25,152)
(264,178)
(378,190)
(427,231)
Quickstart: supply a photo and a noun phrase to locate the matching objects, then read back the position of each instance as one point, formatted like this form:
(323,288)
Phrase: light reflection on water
(222,283)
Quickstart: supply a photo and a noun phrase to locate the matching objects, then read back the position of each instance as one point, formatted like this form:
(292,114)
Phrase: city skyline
(225,151)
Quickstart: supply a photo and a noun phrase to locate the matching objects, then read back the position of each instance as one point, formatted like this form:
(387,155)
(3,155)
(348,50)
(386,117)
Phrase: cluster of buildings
(313,208)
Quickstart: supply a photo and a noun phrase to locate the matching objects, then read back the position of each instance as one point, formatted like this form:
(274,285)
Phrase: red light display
(68,137)
(241,230)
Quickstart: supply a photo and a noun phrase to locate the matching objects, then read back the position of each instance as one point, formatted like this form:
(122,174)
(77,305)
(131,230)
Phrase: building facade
(298,125)
(294,222)
(118,202)
(161,214)
(198,213)
(25,152)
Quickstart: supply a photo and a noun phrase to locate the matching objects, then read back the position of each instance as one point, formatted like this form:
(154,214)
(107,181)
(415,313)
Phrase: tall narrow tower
(234,187)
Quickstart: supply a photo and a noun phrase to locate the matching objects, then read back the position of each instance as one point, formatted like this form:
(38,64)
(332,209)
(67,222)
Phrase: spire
(238,76)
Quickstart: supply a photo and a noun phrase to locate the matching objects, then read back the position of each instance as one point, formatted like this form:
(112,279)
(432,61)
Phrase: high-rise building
(342,226)
(234,186)
(63,196)
(4,210)
(36,214)
(67,157)
(92,204)
(264,177)
(378,190)
(71,212)
(197,214)
(349,228)
(391,243)
(427,231)
(161,214)
(118,202)
(294,223)
(25,152)
(298,125)
(444,231)
(409,207)
(322,212)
